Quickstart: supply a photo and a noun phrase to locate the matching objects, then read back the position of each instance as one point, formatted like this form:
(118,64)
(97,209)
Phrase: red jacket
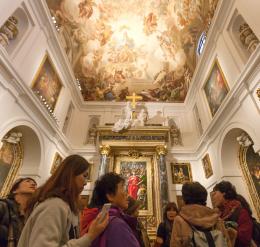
(245,229)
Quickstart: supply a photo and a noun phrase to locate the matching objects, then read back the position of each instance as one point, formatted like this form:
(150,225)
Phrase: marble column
(161,153)
(104,151)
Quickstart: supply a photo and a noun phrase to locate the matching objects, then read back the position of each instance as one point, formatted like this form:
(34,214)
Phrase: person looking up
(53,210)
(12,211)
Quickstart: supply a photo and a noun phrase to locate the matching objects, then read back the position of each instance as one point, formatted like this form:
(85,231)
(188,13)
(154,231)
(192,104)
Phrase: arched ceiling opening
(117,47)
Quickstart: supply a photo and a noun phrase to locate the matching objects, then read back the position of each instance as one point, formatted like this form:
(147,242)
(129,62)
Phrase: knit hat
(133,205)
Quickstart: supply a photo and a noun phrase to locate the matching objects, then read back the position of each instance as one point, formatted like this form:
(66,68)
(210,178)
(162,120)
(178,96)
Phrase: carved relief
(8,31)
(248,38)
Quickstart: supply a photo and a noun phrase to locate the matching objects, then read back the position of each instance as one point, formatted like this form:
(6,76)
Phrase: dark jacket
(10,216)
(118,233)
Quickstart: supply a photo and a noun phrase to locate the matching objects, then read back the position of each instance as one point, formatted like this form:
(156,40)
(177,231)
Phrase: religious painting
(68,118)
(83,201)
(89,171)
(47,84)
(180,201)
(137,174)
(56,162)
(215,88)
(211,198)
(250,164)
(10,161)
(207,166)
(181,173)
(119,47)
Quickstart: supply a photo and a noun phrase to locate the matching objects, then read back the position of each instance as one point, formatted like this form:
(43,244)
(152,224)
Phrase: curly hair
(227,188)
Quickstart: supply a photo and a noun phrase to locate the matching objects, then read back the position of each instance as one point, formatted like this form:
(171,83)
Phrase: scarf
(228,208)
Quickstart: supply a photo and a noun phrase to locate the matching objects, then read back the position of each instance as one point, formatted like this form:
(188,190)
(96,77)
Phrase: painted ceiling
(117,47)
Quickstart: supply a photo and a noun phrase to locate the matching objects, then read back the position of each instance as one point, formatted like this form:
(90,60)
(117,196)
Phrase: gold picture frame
(207,167)
(215,88)
(9,166)
(56,162)
(144,164)
(181,173)
(250,165)
(47,83)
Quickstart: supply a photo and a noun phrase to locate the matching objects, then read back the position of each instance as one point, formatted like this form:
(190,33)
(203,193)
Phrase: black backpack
(256,231)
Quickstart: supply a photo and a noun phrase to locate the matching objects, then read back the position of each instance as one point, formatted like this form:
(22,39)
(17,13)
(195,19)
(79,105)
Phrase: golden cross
(134,98)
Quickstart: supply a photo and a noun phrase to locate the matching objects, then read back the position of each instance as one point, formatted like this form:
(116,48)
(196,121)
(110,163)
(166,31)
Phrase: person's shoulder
(54,205)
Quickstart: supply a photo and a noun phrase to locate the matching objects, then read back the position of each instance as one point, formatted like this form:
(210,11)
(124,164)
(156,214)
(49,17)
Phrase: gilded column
(161,153)
(104,151)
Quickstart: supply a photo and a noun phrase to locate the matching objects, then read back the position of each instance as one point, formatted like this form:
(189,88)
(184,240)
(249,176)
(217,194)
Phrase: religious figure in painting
(133,185)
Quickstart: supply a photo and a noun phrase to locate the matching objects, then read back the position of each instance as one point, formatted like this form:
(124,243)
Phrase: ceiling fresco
(117,47)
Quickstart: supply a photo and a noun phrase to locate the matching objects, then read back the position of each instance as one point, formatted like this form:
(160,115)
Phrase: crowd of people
(49,215)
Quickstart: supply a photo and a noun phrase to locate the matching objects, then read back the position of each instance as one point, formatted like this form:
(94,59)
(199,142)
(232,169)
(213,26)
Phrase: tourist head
(67,182)
(110,188)
(23,186)
(170,211)
(133,207)
(194,193)
(223,191)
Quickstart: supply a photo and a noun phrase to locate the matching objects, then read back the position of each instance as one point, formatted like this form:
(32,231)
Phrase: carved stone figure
(92,134)
(8,31)
(141,118)
(175,135)
(244,140)
(248,38)
(126,120)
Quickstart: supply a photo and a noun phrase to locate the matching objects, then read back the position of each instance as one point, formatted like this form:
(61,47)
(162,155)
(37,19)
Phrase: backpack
(256,231)
(207,237)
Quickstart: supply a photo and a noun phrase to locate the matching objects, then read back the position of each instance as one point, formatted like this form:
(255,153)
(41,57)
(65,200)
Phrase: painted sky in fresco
(118,47)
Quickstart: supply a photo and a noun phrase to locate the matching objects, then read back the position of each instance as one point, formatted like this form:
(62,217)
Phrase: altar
(138,154)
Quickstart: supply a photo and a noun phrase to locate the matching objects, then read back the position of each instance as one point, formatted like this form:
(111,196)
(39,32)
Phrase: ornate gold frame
(206,159)
(216,62)
(250,184)
(45,58)
(188,165)
(17,162)
(149,166)
(54,166)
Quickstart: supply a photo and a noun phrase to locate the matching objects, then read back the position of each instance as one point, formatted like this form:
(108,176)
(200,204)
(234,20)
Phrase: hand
(97,227)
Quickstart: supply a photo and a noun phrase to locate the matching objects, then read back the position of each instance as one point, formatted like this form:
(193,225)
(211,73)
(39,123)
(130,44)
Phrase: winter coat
(118,232)
(196,215)
(10,217)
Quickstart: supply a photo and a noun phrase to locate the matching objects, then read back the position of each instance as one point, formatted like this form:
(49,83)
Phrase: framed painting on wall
(138,176)
(56,162)
(181,173)
(11,155)
(215,87)
(250,164)
(207,167)
(47,83)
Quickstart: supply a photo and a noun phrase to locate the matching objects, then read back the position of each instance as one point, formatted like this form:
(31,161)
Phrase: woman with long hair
(164,230)
(53,210)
